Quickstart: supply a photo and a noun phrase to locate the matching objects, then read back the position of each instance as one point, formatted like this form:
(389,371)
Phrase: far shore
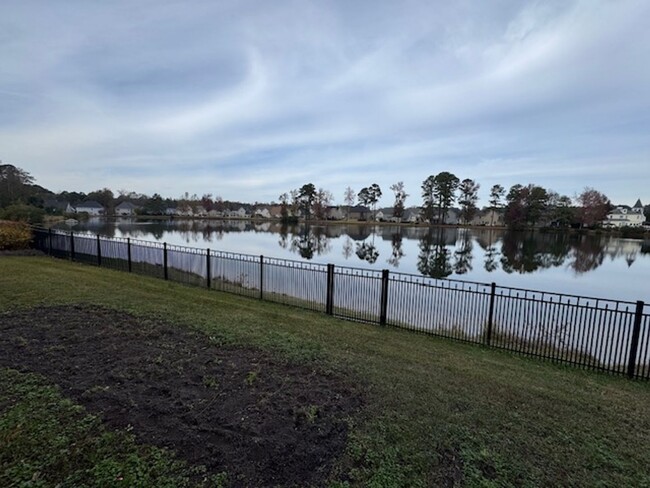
(641,233)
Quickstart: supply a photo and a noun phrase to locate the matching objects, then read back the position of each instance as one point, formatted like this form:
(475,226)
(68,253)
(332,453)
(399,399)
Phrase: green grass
(436,410)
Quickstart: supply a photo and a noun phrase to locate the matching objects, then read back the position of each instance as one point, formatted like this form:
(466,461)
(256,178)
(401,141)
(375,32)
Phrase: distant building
(126,209)
(488,218)
(624,216)
(53,205)
(90,207)
(412,215)
(359,212)
(336,213)
(262,213)
(240,213)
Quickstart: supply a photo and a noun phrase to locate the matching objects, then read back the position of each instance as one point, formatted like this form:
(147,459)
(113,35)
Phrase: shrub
(23,213)
(14,235)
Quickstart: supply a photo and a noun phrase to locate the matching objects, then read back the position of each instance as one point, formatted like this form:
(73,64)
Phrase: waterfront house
(412,215)
(262,213)
(624,216)
(240,213)
(126,209)
(359,212)
(336,213)
(488,217)
(90,207)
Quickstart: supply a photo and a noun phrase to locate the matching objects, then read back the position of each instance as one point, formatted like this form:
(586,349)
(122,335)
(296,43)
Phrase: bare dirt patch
(263,421)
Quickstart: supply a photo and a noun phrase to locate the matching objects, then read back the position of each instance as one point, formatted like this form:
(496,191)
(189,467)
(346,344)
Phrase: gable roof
(90,204)
(126,206)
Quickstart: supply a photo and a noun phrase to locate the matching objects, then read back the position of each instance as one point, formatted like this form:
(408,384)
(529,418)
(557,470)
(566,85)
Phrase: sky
(249,99)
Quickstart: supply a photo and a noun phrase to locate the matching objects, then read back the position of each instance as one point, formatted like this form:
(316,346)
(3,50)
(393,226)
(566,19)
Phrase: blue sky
(250,99)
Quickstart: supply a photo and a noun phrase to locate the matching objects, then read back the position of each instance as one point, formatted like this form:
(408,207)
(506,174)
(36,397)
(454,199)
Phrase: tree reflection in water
(434,259)
(463,254)
(398,253)
(347,248)
(283,241)
(588,254)
(367,252)
(442,250)
(310,241)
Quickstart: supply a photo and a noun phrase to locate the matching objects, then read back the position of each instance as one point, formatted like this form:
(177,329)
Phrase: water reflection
(434,252)
(434,259)
(310,241)
(396,247)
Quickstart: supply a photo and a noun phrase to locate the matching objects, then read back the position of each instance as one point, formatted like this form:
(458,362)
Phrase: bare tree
(400,198)
(348,198)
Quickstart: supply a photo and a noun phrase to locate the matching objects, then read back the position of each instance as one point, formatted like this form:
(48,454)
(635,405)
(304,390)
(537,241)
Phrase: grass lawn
(436,412)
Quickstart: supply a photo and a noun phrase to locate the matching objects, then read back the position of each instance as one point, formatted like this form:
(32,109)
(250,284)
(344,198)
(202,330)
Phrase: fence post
(488,335)
(99,251)
(128,253)
(261,277)
(634,345)
(71,246)
(49,241)
(384,297)
(165,260)
(208,278)
(329,300)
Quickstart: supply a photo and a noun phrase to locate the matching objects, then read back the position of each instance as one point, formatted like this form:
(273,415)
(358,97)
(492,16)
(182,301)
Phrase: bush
(23,213)
(14,235)
(632,232)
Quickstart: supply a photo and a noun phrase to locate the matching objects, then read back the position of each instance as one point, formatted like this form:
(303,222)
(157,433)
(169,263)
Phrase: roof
(127,205)
(90,204)
(638,204)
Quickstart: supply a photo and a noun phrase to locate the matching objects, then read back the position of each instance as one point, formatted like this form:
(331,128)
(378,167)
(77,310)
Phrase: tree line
(520,206)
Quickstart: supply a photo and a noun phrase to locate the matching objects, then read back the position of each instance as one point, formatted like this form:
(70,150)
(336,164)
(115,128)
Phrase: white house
(625,217)
(90,207)
(488,217)
(240,213)
(263,213)
(126,209)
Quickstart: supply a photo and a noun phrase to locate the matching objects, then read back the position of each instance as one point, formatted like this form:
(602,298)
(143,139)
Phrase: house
(90,207)
(126,209)
(335,213)
(275,211)
(52,205)
(240,213)
(359,212)
(385,215)
(488,217)
(412,215)
(171,211)
(624,216)
(262,213)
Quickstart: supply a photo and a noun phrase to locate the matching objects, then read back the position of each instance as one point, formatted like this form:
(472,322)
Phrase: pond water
(587,265)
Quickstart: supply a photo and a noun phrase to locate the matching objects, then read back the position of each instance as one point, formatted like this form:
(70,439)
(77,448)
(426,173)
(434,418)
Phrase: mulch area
(262,420)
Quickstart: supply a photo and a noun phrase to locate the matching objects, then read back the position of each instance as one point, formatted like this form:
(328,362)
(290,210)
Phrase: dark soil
(263,421)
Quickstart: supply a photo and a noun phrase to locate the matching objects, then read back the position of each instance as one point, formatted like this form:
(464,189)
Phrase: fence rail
(591,333)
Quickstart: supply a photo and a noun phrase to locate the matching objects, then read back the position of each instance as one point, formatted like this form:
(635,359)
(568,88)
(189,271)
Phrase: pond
(587,265)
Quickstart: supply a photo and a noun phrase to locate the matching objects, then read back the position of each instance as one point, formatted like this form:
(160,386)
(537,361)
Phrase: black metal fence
(592,333)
